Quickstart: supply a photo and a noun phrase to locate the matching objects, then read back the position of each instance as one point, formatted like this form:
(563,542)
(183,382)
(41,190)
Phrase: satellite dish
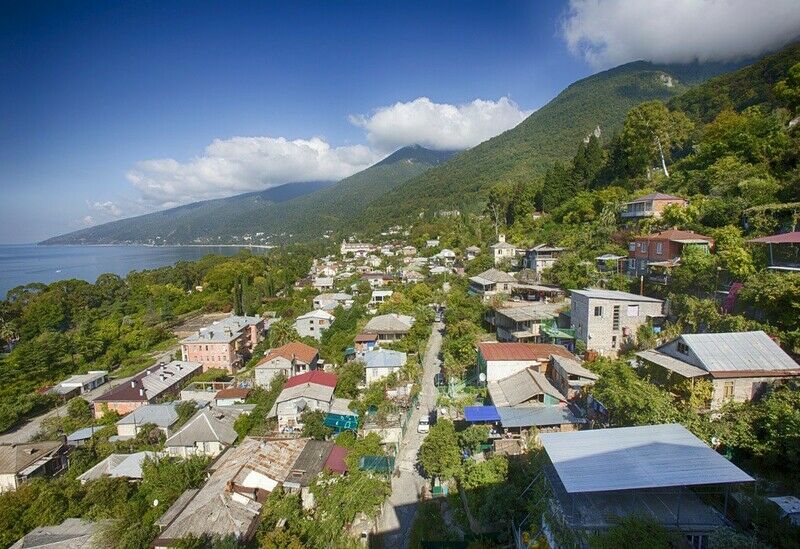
(155,503)
(482,377)
(715,441)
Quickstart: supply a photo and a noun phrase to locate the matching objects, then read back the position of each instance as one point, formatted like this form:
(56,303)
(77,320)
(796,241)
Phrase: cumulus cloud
(108,208)
(438,125)
(611,32)
(88,221)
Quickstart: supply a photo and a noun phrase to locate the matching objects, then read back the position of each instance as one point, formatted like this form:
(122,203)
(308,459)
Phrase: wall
(598,332)
(211,355)
(287,411)
(499,369)
(374,374)
(8,482)
(122,408)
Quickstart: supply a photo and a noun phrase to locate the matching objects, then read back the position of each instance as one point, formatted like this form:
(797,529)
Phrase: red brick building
(662,251)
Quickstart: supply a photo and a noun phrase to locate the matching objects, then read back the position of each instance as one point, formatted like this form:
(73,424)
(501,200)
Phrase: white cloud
(611,32)
(88,221)
(242,164)
(108,208)
(438,125)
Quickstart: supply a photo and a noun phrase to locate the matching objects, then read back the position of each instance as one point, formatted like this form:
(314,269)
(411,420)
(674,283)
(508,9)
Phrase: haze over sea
(23,264)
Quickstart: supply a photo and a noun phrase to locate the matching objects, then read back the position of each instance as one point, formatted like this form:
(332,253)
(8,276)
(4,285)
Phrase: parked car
(424,425)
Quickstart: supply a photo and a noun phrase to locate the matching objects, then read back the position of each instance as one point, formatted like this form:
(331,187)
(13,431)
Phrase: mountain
(548,135)
(305,209)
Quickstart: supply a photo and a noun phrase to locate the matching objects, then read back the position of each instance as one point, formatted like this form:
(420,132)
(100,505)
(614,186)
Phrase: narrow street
(401,507)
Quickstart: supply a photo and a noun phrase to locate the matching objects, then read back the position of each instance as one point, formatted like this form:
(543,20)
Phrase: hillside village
(616,365)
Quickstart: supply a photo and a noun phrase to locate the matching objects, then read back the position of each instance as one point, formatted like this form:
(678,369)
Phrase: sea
(26,263)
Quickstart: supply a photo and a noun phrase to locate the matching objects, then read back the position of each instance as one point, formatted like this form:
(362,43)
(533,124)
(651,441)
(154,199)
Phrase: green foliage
(429,525)
(651,132)
(349,376)
(439,454)
(473,436)
(314,426)
(476,474)
(633,531)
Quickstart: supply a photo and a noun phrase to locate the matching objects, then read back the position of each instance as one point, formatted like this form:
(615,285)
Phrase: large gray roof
(162,415)
(747,351)
(73,533)
(614,295)
(521,387)
(384,358)
(493,276)
(209,425)
(391,322)
(631,458)
(536,416)
(119,466)
(222,331)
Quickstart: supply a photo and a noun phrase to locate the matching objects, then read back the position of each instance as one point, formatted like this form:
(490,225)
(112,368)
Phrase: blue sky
(111,109)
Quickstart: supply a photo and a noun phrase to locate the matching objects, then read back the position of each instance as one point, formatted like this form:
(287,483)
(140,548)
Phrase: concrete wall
(288,416)
(598,331)
(374,374)
(211,355)
(499,369)
(311,327)
(210,449)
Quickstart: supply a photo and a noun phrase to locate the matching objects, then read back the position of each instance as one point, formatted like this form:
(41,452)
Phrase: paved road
(401,507)
(26,431)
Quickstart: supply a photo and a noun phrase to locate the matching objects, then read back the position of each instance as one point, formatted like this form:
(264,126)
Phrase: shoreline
(258,246)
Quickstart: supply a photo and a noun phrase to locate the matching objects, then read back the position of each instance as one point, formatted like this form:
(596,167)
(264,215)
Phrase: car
(424,425)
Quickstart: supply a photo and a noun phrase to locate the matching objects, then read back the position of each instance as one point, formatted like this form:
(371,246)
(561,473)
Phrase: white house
(502,250)
(380,296)
(381,363)
(313,324)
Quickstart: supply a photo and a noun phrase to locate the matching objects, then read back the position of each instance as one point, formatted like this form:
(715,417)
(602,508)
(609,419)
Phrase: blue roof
(481,413)
(384,358)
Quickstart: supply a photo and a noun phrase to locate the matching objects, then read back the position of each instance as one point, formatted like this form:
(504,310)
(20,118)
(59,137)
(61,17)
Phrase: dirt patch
(191,325)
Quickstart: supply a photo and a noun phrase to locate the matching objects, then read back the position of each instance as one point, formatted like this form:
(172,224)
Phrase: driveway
(401,507)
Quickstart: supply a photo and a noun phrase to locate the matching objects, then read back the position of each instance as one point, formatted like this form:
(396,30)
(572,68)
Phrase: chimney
(133,383)
(501,237)
(141,392)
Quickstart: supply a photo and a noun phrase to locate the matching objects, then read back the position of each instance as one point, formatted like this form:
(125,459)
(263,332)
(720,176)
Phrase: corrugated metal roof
(595,293)
(631,458)
(493,276)
(536,416)
(162,415)
(785,238)
(747,351)
(521,387)
(222,331)
(384,358)
(481,413)
(391,322)
(573,367)
(210,425)
(673,364)
(522,351)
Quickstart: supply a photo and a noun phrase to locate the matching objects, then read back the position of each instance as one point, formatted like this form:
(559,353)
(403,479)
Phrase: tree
(282,332)
(696,274)
(731,252)
(314,425)
(439,453)
(473,436)
(788,90)
(775,294)
(632,531)
(651,132)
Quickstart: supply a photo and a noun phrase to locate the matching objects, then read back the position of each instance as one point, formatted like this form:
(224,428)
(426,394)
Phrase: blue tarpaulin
(475,414)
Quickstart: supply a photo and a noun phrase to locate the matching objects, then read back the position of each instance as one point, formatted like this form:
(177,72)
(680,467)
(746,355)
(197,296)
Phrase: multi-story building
(651,205)
(654,255)
(541,257)
(502,250)
(607,320)
(224,344)
(491,282)
(313,324)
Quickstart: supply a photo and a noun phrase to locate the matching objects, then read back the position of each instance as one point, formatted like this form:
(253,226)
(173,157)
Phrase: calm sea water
(22,264)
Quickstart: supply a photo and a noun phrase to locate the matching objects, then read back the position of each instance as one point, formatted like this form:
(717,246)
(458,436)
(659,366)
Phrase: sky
(114,109)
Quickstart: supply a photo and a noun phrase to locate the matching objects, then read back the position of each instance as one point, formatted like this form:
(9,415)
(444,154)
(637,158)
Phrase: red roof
(318,377)
(522,351)
(674,234)
(366,336)
(336,460)
(233,392)
(302,352)
(785,238)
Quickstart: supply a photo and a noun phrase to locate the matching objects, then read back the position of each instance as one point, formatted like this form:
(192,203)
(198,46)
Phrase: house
(376,280)
(128,466)
(73,533)
(569,376)
(784,251)
(208,433)
(224,344)
(329,301)
(516,321)
(610,263)
(445,256)
(146,387)
(289,360)
(231,396)
(655,255)
(595,475)
(313,324)
(381,363)
(472,252)
(410,276)
(389,327)
(228,505)
(308,466)
(439,270)
(541,257)
(788,508)
(163,416)
(490,283)
(82,436)
(536,292)
(306,392)
(323,283)
(365,342)
(408,251)
(358,249)
(21,462)
(650,205)
(432,243)
(607,320)
(79,384)
(500,360)
(379,296)
(527,399)
(502,250)
(739,365)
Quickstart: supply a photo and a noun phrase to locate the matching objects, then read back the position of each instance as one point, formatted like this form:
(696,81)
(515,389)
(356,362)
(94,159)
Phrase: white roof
(632,458)
(317,313)
(594,293)
(119,466)
(384,293)
(733,351)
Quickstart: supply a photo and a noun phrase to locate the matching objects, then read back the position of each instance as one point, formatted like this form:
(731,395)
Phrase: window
(683,348)
(615,318)
(613,342)
(633,310)
(727,390)
(659,248)
(632,247)
(644,247)
(598,311)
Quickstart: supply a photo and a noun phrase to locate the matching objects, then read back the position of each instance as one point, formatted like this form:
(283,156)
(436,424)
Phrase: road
(401,507)
(29,429)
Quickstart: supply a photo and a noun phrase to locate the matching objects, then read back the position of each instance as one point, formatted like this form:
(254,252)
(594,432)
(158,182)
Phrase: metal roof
(481,413)
(521,387)
(384,358)
(746,351)
(119,466)
(655,196)
(161,415)
(632,458)
(785,238)
(673,364)
(493,276)
(595,293)
(209,425)
(83,434)
(536,416)
(391,322)
(222,331)
(151,383)
(527,312)
(573,367)
(492,351)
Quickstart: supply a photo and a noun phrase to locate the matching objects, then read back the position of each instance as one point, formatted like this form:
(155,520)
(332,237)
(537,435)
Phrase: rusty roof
(522,351)
(291,351)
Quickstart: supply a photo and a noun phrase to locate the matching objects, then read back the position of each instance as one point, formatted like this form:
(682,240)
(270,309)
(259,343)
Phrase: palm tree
(282,332)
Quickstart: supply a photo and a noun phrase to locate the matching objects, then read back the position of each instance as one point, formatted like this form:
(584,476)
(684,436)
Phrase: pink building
(224,344)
